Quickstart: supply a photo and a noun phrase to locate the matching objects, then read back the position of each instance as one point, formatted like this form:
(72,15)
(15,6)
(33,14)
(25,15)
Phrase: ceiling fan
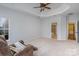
(43,6)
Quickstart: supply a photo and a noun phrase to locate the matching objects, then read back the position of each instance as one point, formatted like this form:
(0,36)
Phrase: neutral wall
(61,27)
(22,26)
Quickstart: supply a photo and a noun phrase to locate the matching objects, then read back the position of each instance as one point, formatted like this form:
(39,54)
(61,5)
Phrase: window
(4,27)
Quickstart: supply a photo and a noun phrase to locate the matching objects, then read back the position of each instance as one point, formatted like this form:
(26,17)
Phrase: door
(54,30)
(71,31)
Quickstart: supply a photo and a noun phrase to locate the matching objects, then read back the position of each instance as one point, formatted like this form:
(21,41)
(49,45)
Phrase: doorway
(71,31)
(54,30)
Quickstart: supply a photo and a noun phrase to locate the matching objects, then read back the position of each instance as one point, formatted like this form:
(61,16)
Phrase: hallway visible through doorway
(71,31)
(54,30)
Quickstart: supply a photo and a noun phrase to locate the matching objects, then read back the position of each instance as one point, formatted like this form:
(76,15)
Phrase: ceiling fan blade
(47,3)
(41,3)
(41,10)
(44,3)
(48,7)
(36,7)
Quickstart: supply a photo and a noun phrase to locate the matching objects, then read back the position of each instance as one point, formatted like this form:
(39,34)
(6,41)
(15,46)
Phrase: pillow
(13,50)
(19,46)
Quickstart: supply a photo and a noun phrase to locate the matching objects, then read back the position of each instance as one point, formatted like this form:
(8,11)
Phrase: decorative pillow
(19,46)
(13,50)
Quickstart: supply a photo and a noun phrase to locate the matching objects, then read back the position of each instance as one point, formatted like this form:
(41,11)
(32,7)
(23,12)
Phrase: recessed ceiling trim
(61,9)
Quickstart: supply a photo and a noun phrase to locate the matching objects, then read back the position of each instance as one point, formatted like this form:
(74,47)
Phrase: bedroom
(33,26)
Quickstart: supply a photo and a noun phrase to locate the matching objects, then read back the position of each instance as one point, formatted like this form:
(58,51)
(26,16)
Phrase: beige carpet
(50,47)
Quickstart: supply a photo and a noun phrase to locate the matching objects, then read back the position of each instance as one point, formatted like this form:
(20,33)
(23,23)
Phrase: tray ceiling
(56,8)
